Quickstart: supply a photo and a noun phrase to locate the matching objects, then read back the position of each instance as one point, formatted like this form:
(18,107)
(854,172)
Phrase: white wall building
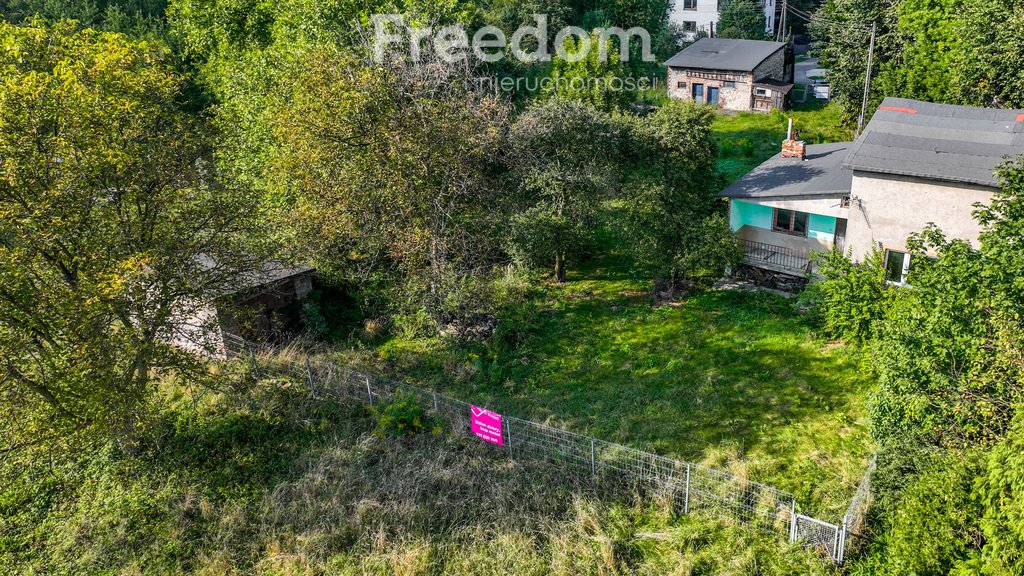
(915,164)
(700,17)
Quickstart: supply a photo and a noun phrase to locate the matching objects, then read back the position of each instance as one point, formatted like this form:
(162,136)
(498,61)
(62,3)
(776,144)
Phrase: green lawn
(734,380)
(747,139)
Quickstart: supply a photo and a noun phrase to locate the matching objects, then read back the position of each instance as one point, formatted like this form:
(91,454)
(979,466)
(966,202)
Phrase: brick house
(739,75)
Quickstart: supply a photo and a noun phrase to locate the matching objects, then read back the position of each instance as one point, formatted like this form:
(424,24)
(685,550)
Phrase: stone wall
(736,98)
(774,67)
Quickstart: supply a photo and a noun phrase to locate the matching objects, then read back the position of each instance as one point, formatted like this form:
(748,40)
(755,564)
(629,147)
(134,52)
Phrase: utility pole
(782,21)
(867,81)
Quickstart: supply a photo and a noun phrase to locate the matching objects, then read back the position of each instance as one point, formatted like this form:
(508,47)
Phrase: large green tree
(111,229)
(599,82)
(673,224)
(140,17)
(950,51)
(384,173)
(563,165)
(742,19)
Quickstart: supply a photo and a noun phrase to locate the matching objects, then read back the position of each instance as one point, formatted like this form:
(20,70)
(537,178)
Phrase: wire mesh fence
(855,519)
(690,487)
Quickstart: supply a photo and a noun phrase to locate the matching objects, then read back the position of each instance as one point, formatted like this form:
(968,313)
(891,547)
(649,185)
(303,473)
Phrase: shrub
(923,512)
(403,417)
(851,297)
(935,524)
(1000,490)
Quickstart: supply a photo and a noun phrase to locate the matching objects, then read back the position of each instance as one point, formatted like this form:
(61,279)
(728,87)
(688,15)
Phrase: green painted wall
(821,227)
(746,214)
(758,216)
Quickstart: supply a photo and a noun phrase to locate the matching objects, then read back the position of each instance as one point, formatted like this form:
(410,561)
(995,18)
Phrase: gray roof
(821,174)
(725,54)
(270,272)
(938,141)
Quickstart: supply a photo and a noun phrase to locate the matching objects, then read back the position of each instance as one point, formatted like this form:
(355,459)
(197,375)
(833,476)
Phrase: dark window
(681,85)
(729,84)
(791,222)
(689,4)
(689,26)
(897,266)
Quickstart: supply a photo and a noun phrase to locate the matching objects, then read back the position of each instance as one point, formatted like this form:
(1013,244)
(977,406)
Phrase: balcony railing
(774,257)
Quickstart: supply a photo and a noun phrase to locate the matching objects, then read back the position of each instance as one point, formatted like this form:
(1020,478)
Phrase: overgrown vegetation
(735,380)
(148,166)
(267,482)
(951,51)
(947,411)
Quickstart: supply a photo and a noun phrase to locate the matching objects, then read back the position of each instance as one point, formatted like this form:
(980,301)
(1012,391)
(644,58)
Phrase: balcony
(776,258)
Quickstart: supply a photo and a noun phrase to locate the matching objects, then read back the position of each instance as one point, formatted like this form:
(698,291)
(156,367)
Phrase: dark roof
(725,54)
(821,174)
(938,141)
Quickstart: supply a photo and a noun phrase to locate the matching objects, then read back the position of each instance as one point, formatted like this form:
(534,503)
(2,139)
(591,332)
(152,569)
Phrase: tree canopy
(111,226)
(949,51)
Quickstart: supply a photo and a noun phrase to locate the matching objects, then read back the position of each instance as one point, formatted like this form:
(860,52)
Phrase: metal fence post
(593,457)
(842,539)
(835,543)
(434,394)
(686,498)
(508,435)
(792,522)
(369,393)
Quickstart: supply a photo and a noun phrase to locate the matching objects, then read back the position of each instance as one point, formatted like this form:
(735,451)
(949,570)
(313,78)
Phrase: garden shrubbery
(948,354)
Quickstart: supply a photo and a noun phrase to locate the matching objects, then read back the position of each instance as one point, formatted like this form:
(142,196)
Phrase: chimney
(791,147)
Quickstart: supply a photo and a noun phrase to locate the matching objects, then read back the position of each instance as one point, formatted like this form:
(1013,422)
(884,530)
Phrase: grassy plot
(747,139)
(734,380)
(265,481)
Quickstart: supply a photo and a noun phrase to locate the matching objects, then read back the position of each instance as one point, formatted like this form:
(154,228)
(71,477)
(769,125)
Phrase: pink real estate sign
(486,425)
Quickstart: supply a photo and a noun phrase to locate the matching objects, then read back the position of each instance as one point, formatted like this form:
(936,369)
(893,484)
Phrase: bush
(1000,490)
(403,417)
(851,297)
(929,522)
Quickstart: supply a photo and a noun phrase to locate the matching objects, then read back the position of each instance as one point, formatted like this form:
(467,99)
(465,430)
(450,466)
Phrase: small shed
(739,75)
(261,306)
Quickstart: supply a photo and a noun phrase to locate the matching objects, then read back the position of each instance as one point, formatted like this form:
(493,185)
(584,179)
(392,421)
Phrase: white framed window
(760,92)
(897,267)
(689,4)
